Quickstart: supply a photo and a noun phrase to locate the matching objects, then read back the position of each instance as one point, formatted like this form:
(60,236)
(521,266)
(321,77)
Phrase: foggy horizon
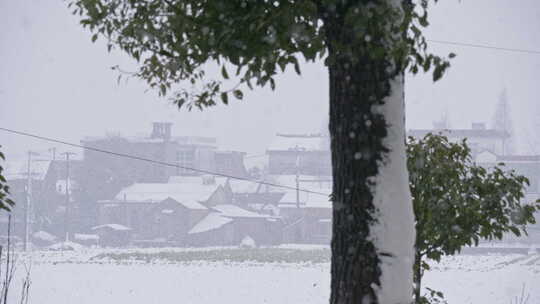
(56,83)
(409,191)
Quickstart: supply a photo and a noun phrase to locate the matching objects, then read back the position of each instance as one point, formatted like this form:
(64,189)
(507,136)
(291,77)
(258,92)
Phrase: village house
(307,154)
(187,210)
(479,137)
(306,211)
(228,224)
(526,165)
(301,163)
(16,173)
(107,173)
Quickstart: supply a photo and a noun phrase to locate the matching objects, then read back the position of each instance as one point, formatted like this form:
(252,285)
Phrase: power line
(58,141)
(483,46)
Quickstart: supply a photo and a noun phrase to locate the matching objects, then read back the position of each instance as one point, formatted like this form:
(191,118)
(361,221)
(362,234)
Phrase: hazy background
(54,82)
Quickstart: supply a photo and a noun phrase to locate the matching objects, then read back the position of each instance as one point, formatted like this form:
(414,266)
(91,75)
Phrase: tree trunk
(373,221)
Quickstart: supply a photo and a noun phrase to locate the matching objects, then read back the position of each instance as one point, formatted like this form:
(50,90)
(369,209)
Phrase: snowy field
(77,277)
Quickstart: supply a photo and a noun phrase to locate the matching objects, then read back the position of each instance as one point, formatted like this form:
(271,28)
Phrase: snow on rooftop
(66,246)
(44,236)
(243,186)
(85,237)
(188,194)
(182,179)
(190,204)
(116,227)
(459,133)
(234,211)
(237,185)
(222,215)
(313,191)
(184,140)
(307,200)
(212,221)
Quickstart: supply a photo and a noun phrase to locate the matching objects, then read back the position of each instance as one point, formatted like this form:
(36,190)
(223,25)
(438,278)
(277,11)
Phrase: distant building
(307,154)
(479,138)
(302,164)
(307,212)
(147,208)
(526,165)
(51,207)
(195,211)
(16,173)
(156,158)
(160,146)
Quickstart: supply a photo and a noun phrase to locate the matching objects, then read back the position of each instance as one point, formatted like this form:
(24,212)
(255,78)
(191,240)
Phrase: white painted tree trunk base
(394,232)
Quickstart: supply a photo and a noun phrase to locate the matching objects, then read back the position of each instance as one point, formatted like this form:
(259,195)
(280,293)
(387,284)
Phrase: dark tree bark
(359,84)
(356,86)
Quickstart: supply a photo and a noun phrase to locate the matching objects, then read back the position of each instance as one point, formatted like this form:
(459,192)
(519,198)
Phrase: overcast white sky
(55,82)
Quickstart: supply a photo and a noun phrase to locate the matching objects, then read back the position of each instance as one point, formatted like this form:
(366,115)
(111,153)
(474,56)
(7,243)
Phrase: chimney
(161,130)
(478,126)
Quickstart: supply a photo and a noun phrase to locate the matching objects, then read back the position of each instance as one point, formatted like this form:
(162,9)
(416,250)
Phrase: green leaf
(272,84)
(238,94)
(224,72)
(438,73)
(225,98)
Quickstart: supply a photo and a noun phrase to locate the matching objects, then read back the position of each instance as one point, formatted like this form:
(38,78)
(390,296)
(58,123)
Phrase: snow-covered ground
(73,277)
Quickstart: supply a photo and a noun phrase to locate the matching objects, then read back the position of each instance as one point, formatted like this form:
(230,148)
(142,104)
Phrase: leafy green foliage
(432,297)
(175,41)
(5,202)
(458,203)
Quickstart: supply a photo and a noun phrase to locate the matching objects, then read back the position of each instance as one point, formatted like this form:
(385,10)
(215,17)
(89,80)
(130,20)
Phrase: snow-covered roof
(85,237)
(183,179)
(66,246)
(44,236)
(313,191)
(243,186)
(189,204)
(307,200)
(212,221)
(19,169)
(188,194)
(518,158)
(116,227)
(183,140)
(237,185)
(490,157)
(223,214)
(302,142)
(459,133)
(234,211)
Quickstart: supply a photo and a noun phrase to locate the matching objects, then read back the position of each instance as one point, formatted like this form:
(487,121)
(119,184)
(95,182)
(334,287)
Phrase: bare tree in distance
(502,121)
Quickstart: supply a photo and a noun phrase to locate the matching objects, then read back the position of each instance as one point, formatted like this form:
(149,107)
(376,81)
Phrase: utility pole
(53,150)
(28,200)
(67,213)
